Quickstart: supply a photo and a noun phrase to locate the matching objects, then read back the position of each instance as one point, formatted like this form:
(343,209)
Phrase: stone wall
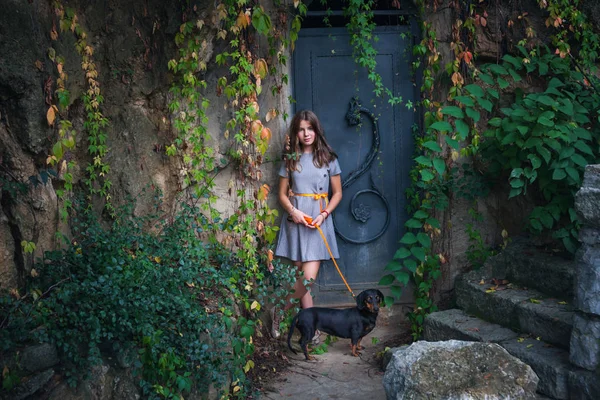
(585,339)
(133,42)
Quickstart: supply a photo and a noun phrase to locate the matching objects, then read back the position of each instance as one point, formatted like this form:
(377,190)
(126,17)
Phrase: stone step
(517,308)
(558,378)
(532,267)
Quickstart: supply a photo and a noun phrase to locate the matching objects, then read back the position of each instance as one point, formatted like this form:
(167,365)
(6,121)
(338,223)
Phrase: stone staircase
(521,299)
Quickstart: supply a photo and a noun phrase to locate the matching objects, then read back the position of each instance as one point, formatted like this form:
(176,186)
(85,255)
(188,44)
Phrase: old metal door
(375,149)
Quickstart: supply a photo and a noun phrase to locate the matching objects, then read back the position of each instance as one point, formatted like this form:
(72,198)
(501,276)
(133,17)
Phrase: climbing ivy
(540,141)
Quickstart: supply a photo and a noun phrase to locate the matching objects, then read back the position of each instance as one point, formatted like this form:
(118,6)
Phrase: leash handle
(309,220)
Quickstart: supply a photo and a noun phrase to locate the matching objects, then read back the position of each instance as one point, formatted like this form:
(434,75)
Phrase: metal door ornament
(360,212)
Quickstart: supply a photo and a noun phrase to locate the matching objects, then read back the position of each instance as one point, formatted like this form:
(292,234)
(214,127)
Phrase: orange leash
(310,221)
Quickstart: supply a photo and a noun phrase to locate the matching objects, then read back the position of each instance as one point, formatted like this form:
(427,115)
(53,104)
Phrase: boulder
(457,370)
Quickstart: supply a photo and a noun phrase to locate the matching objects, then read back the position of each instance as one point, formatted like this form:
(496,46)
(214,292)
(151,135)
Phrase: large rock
(457,370)
(588,197)
(39,357)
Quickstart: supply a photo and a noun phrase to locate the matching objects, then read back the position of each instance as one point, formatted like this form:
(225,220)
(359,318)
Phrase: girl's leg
(309,270)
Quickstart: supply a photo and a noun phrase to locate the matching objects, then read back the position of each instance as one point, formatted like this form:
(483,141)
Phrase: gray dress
(297,242)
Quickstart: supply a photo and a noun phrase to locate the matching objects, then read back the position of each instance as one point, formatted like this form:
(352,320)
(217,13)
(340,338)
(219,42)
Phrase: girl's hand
(299,218)
(318,221)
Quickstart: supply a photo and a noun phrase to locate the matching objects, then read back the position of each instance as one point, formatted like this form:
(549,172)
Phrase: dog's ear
(380,298)
(360,300)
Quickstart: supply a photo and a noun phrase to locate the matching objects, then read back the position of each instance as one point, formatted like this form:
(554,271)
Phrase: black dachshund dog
(354,323)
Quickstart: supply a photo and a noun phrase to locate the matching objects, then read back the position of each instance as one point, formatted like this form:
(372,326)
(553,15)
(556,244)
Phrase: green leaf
(485,104)
(427,175)
(408,238)
(452,142)
(462,128)
(559,174)
(439,165)
(584,148)
(513,60)
(394,266)
(413,224)
(498,69)
(579,160)
(419,253)
(486,79)
(566,152)
(431,145)
(546,100)
(516,77)
(401,253)
(466,100)
(386,280)
(496,122)
(572,172)
(546,220)
(424,160)
(536,162)
(453,111)
(544,152)
(555,83)
(424,239)
(517,183)
(410,265)
(57,150)
(441,126)
(402,277)
(545,121)
(502,83)
(420,214)
(434,222)
(475,90)
(494,93)
(473,114)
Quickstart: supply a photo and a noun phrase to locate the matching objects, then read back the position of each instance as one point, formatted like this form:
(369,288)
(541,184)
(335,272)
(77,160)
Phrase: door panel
(374,154)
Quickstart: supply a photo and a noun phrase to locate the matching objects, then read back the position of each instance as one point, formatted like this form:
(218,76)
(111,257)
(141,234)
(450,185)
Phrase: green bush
(166,297)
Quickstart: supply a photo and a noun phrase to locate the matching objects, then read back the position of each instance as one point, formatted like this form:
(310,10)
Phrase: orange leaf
(256,126)
(242,20)
(483,21)
(263,192)
(270,255)
(39,65)
(51,115)
(265,134)
(467,56)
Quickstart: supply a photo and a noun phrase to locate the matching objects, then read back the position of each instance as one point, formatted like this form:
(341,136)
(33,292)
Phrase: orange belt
(310,220)
(317,196)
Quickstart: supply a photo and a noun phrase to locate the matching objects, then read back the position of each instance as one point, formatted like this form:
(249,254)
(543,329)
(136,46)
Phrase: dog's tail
(291,332)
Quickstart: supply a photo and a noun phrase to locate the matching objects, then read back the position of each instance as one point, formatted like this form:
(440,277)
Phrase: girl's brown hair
(323,154)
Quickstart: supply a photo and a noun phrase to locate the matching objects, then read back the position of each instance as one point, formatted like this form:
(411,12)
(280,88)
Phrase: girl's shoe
(275,320)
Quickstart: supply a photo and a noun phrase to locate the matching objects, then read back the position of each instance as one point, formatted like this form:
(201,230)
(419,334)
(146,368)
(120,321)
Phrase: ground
(279,373)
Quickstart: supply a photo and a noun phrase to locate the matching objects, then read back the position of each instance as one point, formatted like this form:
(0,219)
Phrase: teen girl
(309,170)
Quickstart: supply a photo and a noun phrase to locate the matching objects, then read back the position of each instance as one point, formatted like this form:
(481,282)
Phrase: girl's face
(306,136)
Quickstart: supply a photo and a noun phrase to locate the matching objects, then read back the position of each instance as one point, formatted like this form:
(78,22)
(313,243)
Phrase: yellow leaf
(482,282)
(490,291)
(271,114)
(260,68)
(157,259)
(51,115)
(296,3)
(521,340)
(34,273)
(199,24)
(255,306)
(236,389)
(529,346)
(562,302)
(535,301)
